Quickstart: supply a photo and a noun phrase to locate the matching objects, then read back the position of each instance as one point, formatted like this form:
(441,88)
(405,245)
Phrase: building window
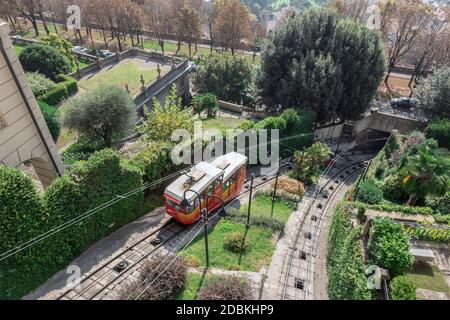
(2,122)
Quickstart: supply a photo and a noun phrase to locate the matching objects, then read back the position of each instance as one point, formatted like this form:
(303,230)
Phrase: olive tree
(104,113)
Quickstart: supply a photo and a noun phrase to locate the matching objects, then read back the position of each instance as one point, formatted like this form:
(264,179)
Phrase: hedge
(389,246)
(407,210)
(52,118)
(440,131)
(61,91)
(85,186)
(346,268)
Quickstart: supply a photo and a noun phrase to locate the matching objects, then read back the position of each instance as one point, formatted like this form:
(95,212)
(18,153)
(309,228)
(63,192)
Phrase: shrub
(63,46)
(369,192)
(291,117)
(402,289)
(45,60)
(81,150)
(39,83)
(346,269)
(226,288)
(361,213)
(236,242)
(272,123)
(392,188)
(429,234)
(247,125)
(440,131)
(439,204)
(389,246)
(63,90)
(155,161)
(208,102)
(158,285)
(52,118)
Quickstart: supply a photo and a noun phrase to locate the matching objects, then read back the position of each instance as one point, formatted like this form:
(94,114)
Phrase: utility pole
(250,200)
(205,229)
(275,192)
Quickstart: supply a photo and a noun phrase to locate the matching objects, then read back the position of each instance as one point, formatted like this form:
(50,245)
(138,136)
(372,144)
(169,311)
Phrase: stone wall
(24,135)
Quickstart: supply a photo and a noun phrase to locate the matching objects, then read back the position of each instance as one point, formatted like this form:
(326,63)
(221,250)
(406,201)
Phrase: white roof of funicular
(230,162)
(201,176)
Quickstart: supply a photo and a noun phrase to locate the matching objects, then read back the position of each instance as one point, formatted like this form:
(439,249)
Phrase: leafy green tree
(228,77)
(45,60)
(389,246)
(425,171)
(105,113)
(316,50)
(309,162)
(369,192)
(433,94)
(439,130)
(208,102)
(402,289)
(63,46)
(161,122)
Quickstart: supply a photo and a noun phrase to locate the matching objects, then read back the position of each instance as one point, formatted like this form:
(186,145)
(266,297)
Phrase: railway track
(298,275)
(106,279)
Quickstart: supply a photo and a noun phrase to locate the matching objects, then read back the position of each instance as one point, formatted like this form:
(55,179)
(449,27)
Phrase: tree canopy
(433,94)
(103,113)
(228,77)
(316,60)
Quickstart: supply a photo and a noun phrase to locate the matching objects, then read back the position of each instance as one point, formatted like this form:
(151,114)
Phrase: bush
(290,186)
(63,90)
(389,246)
(369,192)
(226,288)
(429,234)
(402,289)
(80,151)
(346,269)
(45,60)
(272,123)
(247,125)
(208,102)
(155,161)
(236,242)
(161,285)
(192,261)
(392,188)
(39,83)
(52,118)
(439,204)
(63,46)
(440,131)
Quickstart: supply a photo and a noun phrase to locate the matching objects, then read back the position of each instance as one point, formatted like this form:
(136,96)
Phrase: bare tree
(28,9)
(187,24)
(409,19)
(232,25)
(157,18)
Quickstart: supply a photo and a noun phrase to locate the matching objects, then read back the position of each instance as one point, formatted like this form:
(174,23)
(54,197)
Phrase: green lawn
(221,123)
(260,254)
(262,206)
(120,75)
(18,49)
(428,277)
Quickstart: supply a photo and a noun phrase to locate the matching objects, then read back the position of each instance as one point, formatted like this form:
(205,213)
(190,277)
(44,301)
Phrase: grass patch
(18,49)
(221,123)
(426,276)
(259,255)
(126,73)
(262,207)
(194,282)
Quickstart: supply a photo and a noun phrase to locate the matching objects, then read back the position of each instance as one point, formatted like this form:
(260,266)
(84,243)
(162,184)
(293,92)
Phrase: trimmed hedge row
(63,90)
(393,208)
(24,215)
(346,268)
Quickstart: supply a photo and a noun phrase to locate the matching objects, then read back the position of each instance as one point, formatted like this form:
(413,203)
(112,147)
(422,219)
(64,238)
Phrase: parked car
(404,102)
(80,49)
(106,53)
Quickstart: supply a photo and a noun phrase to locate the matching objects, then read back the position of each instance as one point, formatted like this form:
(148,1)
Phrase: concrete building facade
(24,136)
